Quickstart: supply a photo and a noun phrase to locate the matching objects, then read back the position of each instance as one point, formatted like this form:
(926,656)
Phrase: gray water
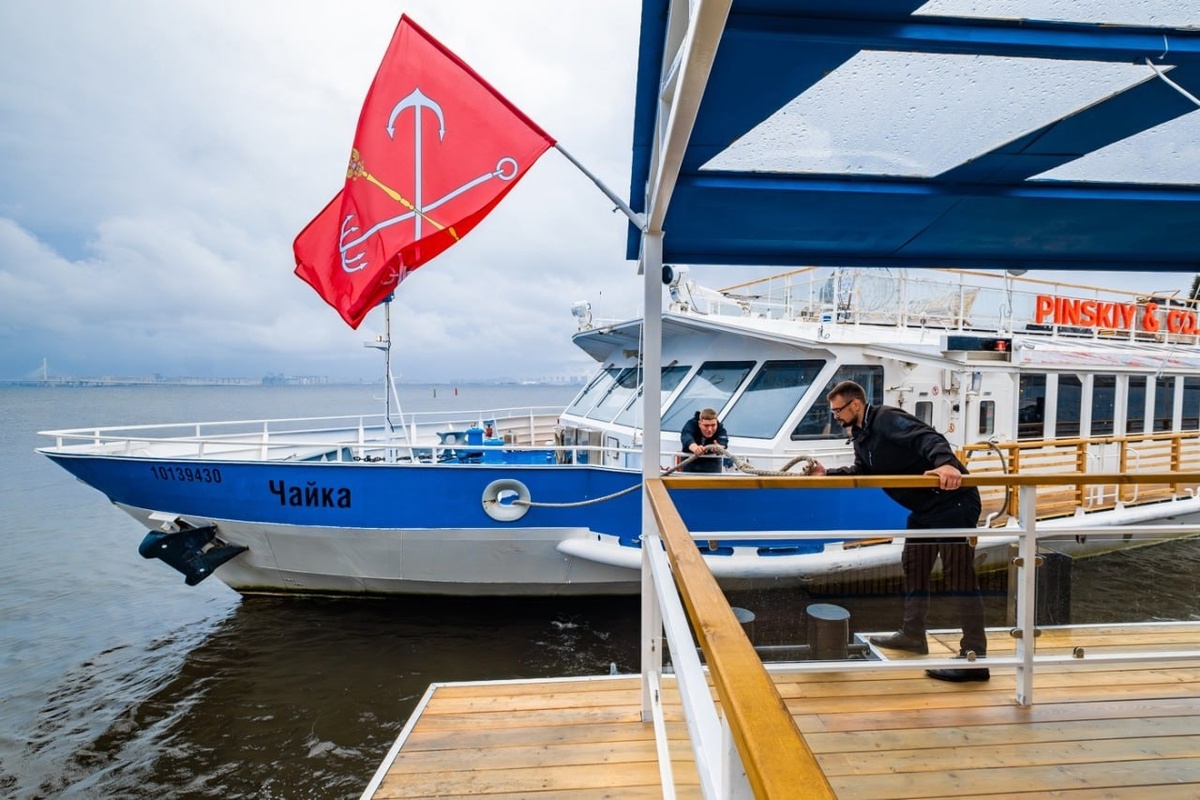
(119,681)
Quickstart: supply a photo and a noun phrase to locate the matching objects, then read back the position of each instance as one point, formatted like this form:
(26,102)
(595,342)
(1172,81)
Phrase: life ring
(506,500)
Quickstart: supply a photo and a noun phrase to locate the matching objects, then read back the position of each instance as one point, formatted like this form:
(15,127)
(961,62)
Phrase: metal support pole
(652,628)
(1026,628)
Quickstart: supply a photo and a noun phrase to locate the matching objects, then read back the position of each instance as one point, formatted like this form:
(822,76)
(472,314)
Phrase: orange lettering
(1087,312)
(1044,307)
(1189,322)
(1150,318)
(1070,312)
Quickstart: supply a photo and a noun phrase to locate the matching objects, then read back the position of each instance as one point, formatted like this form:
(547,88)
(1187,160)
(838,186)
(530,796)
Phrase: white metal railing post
(733,781)
(699,711)
(1026,630)
(652,626)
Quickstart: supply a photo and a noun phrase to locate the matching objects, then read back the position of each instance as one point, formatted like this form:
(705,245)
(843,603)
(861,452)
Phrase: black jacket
(691,435)
(894,442)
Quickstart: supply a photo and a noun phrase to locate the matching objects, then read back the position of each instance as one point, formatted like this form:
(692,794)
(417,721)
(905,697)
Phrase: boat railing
(744,739)
(307,437)
(1164,452)
(340,446)
(952,299)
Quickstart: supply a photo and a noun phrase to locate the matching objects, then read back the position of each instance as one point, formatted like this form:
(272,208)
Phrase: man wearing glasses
(890,441)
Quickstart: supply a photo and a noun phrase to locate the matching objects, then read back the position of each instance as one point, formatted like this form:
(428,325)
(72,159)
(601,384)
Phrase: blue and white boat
(752,145)
(1020,373)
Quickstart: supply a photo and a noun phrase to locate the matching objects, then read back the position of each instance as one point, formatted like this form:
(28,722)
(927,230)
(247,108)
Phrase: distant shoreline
(102,381)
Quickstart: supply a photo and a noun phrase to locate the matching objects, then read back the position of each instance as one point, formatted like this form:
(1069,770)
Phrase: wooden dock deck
(1095,730)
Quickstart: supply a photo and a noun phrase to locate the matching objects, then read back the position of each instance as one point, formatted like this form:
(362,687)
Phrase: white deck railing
(342,437)
(674,578)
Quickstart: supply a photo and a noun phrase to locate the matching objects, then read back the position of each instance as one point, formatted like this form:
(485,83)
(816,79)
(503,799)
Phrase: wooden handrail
(778,762)
(1033,444)
(727,481)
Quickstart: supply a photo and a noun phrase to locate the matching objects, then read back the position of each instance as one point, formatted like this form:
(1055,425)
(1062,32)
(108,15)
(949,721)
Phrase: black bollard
(828,631)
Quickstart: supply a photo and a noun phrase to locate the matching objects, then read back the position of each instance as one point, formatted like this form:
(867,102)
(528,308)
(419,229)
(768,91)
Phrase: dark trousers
(958,566)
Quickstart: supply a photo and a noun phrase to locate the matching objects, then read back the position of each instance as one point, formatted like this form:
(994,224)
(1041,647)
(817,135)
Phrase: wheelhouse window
(711,387)
(818,423)
(1164,403)
(770,398)
(1104,402)
(1031,407)
(594,390)
(616,395)
(671,376)
(1135,404)
(1070,401)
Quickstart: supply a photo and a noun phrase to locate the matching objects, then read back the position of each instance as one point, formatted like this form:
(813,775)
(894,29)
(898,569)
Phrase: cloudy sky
(157,160)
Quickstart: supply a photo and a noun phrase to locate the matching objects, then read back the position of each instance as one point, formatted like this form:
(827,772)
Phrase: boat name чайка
(311,496)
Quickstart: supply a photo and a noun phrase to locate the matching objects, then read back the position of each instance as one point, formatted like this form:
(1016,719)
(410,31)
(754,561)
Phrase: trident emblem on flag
(350,240)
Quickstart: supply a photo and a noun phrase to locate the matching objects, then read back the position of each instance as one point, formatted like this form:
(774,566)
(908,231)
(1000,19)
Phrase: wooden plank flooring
(580,738)
(1094,731)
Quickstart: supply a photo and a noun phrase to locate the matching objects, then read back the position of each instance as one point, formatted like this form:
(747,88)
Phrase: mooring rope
(739,463)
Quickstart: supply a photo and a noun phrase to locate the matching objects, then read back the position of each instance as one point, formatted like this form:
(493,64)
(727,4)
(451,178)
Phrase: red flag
(437,148)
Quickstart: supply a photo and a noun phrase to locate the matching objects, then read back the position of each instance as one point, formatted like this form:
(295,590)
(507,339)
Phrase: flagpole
(387,364)
(639,220)
(390,394)
(390,390)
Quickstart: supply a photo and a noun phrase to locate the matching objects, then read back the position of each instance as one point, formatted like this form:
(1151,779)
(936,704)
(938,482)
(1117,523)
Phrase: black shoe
(902,641)
(960,675)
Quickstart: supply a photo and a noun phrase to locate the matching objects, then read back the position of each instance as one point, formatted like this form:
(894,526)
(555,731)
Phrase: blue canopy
(734,162)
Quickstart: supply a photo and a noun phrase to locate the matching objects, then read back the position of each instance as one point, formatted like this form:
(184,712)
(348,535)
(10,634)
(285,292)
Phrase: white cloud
(158,159)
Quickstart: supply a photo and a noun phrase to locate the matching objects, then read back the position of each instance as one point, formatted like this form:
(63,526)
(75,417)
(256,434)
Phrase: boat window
(616,395)
(818,423)
(1104,401)
(1191,404)
(671,376)
(1135,404)
(1031,413)
(771,397)
(924,411)
(987,417)
(711,387)
(1164,403)
(1070,401)
(594,391)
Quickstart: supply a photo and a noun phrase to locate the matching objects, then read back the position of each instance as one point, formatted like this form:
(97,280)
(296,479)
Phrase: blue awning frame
(731,64)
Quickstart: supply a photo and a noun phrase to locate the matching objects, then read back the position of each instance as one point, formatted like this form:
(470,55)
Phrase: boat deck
(1094,730)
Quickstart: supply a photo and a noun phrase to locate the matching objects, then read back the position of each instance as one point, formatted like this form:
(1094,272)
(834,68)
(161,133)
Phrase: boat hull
(363,529)
(382,529)
(300,559)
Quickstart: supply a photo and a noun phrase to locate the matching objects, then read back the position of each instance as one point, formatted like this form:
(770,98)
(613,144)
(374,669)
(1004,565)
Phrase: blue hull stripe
(355,495)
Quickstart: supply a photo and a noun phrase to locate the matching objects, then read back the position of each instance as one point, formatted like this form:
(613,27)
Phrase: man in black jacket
(890,441)
(703,429)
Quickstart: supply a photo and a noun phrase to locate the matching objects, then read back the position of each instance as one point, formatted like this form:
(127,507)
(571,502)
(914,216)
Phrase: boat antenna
(1006,307)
